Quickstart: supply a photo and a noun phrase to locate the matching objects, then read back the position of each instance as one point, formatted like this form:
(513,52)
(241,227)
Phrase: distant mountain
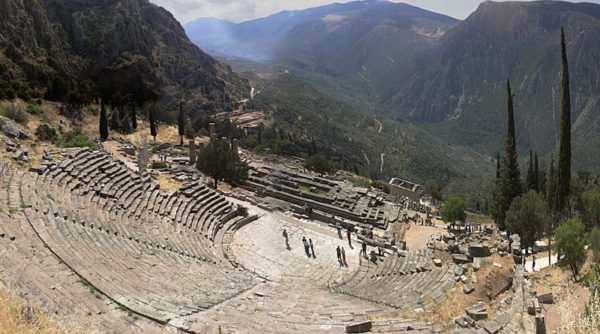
(259,39)
(459,87)
(120,46)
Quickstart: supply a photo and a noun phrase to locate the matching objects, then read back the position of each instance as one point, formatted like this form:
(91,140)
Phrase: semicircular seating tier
(148,250)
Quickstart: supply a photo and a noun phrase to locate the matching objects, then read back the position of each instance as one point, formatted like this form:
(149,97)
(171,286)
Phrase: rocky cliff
(125,46)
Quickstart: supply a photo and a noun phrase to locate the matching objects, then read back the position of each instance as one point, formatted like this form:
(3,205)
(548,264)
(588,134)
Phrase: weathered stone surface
(476,263)
(468,288)
(479,249)
(437,262)
(477,312)
(491,327)
(460,258)
(546,298)
(40,170)
(361,327)
(11,129)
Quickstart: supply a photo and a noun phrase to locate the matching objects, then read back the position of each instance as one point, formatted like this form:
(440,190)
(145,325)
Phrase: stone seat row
(398,290)
(148,280)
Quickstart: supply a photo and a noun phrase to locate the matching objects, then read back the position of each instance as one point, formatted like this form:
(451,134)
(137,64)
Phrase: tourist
(364,249)
(344,257)
(349,236)
(287,242)
(533,264)
(339,229)
(306,249)
(311,248)
(339,254)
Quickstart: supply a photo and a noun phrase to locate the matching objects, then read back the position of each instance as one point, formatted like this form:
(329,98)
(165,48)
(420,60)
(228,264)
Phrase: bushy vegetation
(453,210)
(158,165)
(570,245)
(76,138)
(220,162)
(46,133)
(15,114)
(319,164)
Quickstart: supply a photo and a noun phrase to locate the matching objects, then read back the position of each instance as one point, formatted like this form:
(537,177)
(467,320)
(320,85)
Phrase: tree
(133,117)
(103,122)
(591,208)
(564,152)
(570,245)
(528,217)
(219,161)
(529,179)
(453,210)
(498,165)
(46,133)
(536,174)
(181,123)
(508,185)
(432,187)
(551,185)
(595,243)
(318,163)
(152,123)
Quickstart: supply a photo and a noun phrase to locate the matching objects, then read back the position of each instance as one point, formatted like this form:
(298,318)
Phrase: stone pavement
(260,247)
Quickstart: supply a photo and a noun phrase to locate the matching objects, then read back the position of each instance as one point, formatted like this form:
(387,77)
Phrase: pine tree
(529,180)
(181,123)
(536,174)
(152,123)
(508,185)
(103,122)
(564,153)
(551,185)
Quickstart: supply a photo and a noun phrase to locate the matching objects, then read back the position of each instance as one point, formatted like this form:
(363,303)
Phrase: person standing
(339,229)
(533,264)
(339,254)
(364,249)
(287,242)
(349,237)
(312,249)
(344,257)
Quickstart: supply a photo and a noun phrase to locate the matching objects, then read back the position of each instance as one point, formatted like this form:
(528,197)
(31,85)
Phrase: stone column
(192,148)
(234,146)
(212,132)
(540,324)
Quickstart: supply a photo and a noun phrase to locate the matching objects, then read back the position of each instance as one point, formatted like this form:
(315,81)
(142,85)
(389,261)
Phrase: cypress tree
(536,174)
(508,185)
(551,185)
(181,122)
(103,122)
(564,152)
(133,118)
(152,123)
(497,165)
(529,180)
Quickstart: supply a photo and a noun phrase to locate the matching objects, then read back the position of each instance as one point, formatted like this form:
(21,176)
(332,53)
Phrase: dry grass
(14,321)
(166,183)
(478,218)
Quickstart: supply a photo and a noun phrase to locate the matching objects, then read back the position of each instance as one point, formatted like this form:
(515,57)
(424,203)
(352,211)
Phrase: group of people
(310,250)
(349,229)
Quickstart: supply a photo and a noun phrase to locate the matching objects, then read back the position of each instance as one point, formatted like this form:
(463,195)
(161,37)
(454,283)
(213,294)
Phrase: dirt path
(417,236)
(378,125)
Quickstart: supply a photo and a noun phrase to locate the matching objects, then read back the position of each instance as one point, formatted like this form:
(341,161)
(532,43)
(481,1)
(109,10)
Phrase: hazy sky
(242,10)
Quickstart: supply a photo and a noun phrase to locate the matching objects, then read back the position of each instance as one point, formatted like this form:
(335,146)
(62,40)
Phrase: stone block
(437,262)
(479,249)
(477,312)
(361,327)
(540,324)
(491,327)
(460,258)
(476,263)
(468,288)
(546,298)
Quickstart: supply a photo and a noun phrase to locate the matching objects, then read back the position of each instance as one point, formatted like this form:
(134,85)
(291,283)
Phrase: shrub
(158,165)
(16,115)
(46,133)
(76,138)
(34,109)
(381,186)
(319,164)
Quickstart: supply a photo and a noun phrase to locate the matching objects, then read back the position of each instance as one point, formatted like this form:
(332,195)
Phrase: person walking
(339,229)
(364,249)
(349,237)
(533,264)
(312,249)
(287,241)
(306,249)
(339,255)
(344,257)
